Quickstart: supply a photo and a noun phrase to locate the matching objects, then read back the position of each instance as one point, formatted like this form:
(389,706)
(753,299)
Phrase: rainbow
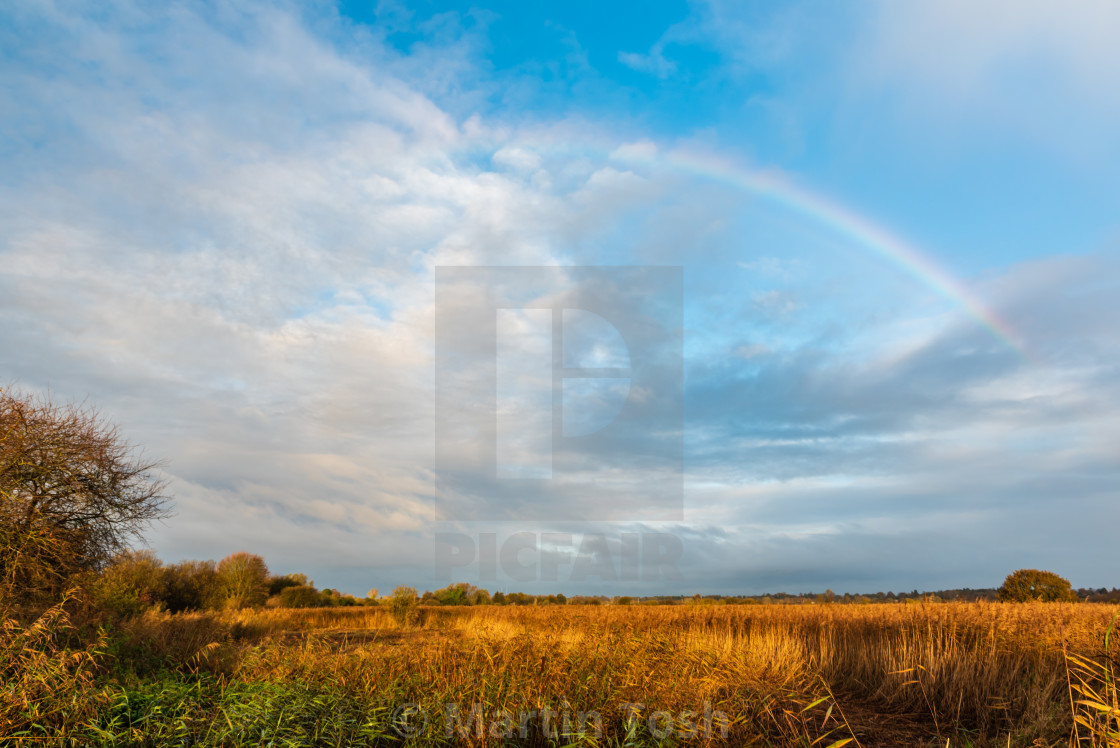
(860,230)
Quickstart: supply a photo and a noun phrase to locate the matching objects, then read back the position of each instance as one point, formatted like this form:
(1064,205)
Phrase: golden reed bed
(951,674)
(969,673)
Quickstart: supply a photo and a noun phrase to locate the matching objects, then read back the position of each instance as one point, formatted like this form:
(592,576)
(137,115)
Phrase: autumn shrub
(402,604)
(134,582)
(1033,585)
(300,597)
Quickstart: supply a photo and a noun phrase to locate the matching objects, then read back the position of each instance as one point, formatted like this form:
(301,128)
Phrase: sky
(890,354)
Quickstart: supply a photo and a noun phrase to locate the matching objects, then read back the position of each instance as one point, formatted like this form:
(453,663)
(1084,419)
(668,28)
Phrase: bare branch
(73,493)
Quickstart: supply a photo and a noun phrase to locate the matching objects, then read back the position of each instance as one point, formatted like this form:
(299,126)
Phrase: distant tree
(455,594)
(333,598)
(1103,595)
(1026,585)
(135,581)
(192,585)
(277,584)
(243,580)
(300,596)
(499,598)
(402,604)
(480,597)
(73,494)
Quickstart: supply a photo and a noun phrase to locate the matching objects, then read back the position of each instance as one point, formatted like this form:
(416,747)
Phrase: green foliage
(205,711)
(456,594)
(1027,585)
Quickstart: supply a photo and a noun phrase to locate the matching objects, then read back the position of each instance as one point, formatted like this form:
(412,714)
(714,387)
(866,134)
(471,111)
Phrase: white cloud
(775,302)
(640,150)
(1041,69)
(519,159)
(782,268)
(654,63)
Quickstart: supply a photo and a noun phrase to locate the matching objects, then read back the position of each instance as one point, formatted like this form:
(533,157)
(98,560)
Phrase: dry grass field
(873,675)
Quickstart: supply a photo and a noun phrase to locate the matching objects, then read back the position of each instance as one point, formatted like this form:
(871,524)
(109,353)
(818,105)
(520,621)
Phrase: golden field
(946,674)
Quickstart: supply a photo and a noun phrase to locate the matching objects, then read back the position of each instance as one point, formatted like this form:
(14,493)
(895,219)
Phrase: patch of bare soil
(874,727)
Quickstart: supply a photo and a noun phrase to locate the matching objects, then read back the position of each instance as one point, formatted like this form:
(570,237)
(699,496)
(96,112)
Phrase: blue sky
(221,224)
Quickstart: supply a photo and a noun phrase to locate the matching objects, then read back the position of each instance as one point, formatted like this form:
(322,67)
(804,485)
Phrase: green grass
(173,710)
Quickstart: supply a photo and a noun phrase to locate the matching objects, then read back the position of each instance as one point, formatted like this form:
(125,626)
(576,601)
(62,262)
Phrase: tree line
(137,581)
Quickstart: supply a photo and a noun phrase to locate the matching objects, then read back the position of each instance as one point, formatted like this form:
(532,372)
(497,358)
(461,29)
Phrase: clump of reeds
(1095,695)
(47,683)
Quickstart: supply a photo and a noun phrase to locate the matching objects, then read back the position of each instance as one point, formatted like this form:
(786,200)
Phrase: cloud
(954,441)
(517,158)
(966,52)
(1017,68)
(774,267)
(774,303)
(229,247)
(752,350)
(222,227)
(653,63)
